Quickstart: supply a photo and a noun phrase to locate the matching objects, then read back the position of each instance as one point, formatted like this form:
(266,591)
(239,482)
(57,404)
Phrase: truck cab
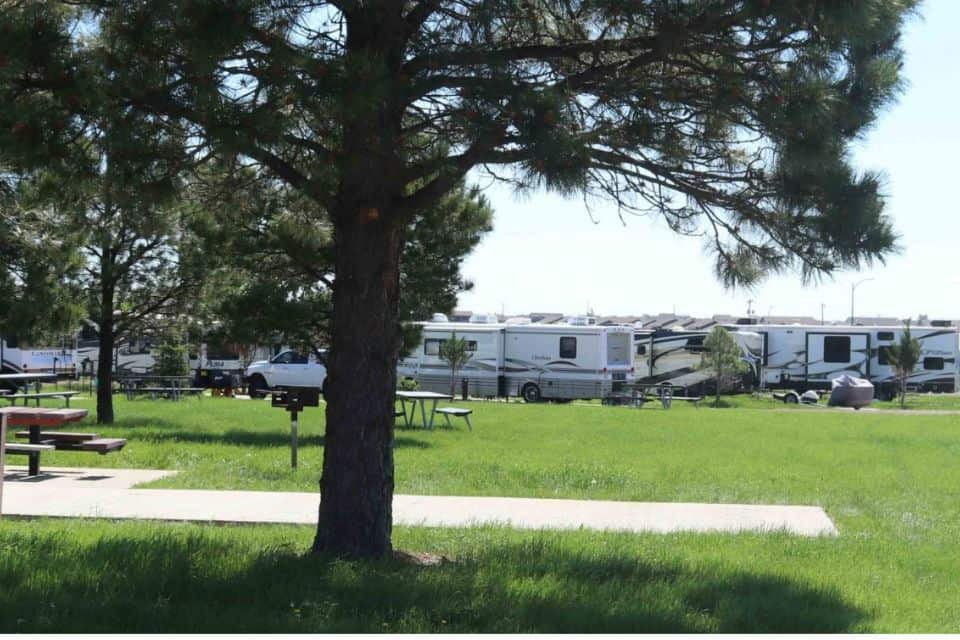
(289,368)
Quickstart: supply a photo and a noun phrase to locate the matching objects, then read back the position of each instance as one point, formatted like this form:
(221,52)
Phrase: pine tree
(731,119)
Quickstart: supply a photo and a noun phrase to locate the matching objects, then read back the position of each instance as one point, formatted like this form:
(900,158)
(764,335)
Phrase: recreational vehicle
(673,356)
(809,357)
(533,361)
(18,358)
(212,366)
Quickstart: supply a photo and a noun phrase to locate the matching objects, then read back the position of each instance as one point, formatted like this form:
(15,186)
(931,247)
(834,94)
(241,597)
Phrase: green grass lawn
(890,482)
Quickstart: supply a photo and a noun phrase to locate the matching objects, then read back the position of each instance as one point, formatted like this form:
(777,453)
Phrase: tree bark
(105,367)
(356,489)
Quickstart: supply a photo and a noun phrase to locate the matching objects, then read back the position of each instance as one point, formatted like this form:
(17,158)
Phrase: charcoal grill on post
(294,400)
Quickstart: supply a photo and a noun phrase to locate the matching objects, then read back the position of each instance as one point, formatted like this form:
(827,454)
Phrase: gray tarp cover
(848,391)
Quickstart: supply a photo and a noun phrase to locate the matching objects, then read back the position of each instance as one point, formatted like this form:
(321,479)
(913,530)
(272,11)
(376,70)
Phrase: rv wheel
(791,398)
(531,393)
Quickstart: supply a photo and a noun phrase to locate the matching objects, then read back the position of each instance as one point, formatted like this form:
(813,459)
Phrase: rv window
(471,345)
(431,347)
(885,335)
(568,347)
(641,349)
(933,363)
(695,345)
(883,355)
(836,349)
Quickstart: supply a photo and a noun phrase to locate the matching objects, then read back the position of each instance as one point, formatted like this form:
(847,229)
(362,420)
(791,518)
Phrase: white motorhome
(674,356)
(533,361)
(809,357)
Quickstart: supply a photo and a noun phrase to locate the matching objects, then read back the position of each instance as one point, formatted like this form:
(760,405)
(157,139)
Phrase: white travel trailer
(673,356)
(533,361)
(809,357)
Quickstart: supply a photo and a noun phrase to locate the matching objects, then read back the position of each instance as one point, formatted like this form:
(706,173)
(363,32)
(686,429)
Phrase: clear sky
(546,254)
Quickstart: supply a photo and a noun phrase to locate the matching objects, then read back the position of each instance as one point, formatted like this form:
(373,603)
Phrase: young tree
(904,357)
(171,356)
(723,356)
(728,118)
(456,353)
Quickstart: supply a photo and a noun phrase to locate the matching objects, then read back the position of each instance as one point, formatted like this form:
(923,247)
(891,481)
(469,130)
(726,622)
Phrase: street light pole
(853,287)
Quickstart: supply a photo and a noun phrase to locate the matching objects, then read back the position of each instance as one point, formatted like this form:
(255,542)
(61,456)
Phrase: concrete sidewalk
(106,493)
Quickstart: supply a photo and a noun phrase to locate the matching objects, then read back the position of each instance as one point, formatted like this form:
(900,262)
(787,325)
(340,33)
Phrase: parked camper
(809,357)
(212,366)
(674,356)
(533,361)
(19,358)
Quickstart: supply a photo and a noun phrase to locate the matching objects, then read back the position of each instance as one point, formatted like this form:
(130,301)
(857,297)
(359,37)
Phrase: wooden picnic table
(420,397)
(35,420)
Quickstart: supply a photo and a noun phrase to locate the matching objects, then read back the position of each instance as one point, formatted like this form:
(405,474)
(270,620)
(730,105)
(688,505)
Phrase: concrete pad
(71,497)
(73,477)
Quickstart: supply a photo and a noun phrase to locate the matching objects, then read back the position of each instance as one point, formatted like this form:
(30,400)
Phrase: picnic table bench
(13,397)
(459,412)
(39,441)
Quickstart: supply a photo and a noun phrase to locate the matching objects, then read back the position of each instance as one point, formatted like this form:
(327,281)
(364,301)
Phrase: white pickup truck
(286,369)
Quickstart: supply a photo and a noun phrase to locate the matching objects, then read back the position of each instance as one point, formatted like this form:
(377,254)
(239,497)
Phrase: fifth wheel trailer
(809,357)
(533,361)
(674,356)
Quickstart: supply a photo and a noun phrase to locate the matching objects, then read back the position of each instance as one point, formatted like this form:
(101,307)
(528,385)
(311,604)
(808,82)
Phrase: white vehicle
(25,359)
(533,361)
(674,356)
(288,368)
(809,357)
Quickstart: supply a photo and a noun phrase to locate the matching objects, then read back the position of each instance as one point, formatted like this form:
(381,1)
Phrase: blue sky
(546,254)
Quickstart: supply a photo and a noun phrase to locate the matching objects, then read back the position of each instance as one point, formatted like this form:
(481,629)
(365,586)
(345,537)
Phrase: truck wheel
(530,393)
(257,387)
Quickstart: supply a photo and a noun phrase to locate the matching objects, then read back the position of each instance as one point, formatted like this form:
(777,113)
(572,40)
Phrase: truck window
(836,349)
(568,347)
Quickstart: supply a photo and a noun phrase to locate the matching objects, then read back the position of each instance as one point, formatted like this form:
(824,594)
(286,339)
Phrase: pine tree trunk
(356,489)
(105,375)
(105,360)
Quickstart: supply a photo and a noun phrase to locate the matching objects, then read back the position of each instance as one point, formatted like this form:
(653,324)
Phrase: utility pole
(822,305)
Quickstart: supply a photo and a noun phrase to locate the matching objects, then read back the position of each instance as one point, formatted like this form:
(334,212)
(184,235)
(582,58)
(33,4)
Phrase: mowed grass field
(889,480)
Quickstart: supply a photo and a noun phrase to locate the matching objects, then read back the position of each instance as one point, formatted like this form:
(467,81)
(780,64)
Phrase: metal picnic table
(174,385)
(35,419)
(420,397)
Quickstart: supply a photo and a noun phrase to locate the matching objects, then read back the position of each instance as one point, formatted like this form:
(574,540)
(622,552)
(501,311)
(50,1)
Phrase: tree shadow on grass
(161,430)
(261,439)
(175,581)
